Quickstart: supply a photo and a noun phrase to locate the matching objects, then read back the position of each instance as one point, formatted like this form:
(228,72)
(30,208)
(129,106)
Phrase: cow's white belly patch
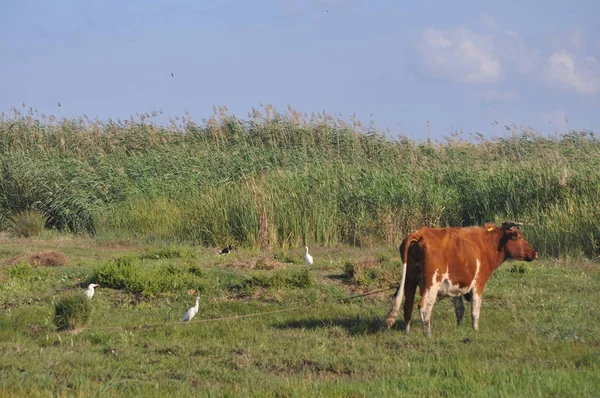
(449,288)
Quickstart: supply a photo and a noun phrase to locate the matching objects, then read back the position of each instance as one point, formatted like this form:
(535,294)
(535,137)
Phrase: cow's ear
(512,233)
(489,226)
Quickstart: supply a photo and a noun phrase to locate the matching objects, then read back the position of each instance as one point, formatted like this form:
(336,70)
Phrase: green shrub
(301,279)
(277,280)
(162,253)
(369,275)
(197,271)
(135,276)
(355,273)
(287,258)
(383,258)
(22,270)
(72,312)
(519,267)
(27,272)
(26,224)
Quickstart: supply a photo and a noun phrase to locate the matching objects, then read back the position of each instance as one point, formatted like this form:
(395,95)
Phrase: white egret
(189,314)
(307,257)
(89,292)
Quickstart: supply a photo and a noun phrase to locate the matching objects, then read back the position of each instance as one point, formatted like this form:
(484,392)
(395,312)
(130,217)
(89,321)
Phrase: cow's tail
(393,314)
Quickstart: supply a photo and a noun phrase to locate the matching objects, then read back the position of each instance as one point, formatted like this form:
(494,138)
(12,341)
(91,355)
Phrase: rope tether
(239,316)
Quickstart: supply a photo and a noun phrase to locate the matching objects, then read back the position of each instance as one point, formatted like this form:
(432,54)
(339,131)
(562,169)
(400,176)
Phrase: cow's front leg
(459,309)
(475,307)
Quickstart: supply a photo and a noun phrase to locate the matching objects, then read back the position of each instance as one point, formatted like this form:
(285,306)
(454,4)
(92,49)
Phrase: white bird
(189,314)
(307,257)
(89,292)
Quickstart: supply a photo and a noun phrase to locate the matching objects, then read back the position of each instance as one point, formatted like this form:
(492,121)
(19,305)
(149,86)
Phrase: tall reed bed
(283,179)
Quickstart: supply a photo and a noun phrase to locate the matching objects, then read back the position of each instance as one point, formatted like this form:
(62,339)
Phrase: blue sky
(462,65)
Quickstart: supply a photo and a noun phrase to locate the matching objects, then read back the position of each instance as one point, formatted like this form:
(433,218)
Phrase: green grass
(538,329)
(71,312)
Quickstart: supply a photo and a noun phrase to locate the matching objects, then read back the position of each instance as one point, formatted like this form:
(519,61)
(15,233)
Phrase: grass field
(140,208)
(539,331)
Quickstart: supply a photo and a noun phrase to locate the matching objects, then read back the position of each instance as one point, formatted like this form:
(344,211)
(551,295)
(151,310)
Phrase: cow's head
(512,241)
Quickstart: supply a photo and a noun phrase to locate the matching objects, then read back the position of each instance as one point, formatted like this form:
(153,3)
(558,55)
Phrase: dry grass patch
(49,258)
(268,263)
(261,263)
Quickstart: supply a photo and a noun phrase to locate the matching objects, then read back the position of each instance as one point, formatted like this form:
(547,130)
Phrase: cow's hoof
(389,323)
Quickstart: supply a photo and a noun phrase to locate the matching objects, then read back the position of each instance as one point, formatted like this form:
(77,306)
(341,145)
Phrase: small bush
(197,271)
(519,267)
(162,253)
(72,312)
(383,258)
(349,270)
(286,258)
(355,273)
(26,272)
(21,270)
(365,274)
(26,224)
(275,281)
(132,275)
(301,279)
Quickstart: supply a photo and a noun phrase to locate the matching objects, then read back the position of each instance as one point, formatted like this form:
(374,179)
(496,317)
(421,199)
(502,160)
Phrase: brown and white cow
(454,262)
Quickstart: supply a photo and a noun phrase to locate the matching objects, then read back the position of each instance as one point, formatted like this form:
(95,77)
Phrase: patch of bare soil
(264,263)
(49,258)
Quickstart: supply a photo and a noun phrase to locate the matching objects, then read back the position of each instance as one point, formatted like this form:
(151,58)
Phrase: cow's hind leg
(459,308)
(428,297)
(411,288)
(390,319)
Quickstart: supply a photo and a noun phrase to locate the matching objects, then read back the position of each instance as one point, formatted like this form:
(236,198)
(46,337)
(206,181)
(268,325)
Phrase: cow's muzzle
(535,256)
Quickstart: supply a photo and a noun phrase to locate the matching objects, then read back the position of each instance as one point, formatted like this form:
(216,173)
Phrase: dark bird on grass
(226,250)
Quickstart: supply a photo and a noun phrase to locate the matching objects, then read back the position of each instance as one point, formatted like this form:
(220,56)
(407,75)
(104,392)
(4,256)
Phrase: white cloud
(565,71)
(488,21)
(464,56)
(460,55)
(501,96)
